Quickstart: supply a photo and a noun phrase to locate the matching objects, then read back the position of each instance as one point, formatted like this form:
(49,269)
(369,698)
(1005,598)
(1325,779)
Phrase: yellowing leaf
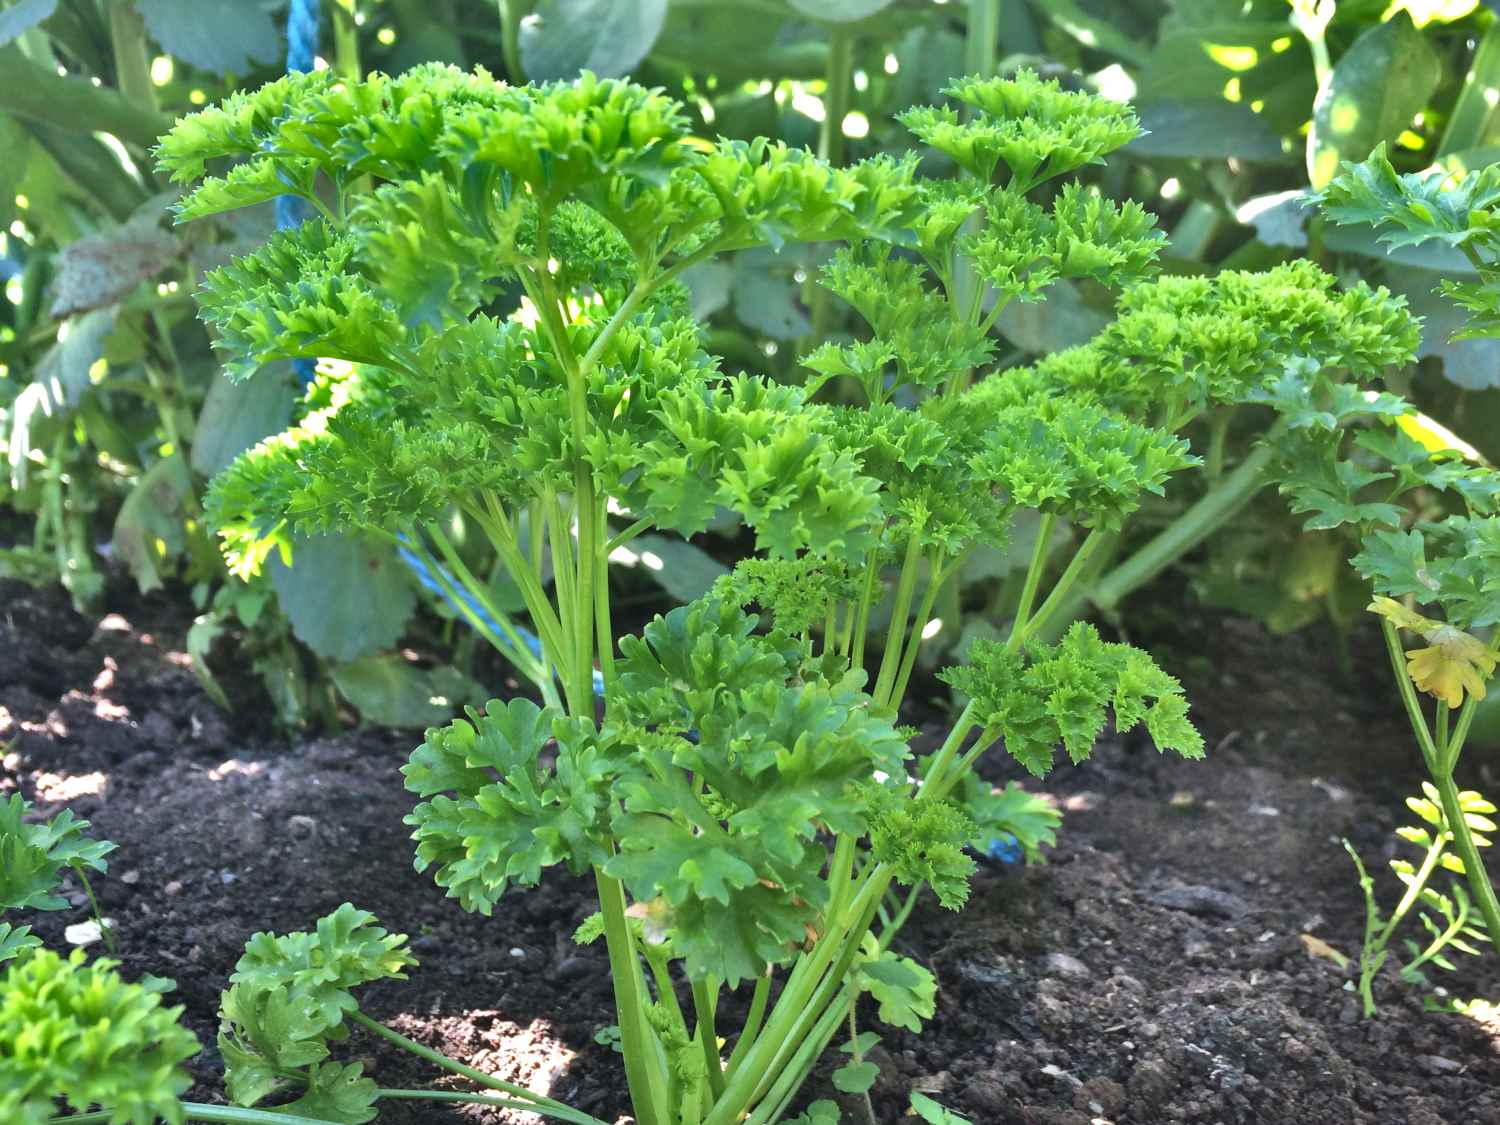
(1401,617)
(1434,436)
(1456,662)
(1317,947)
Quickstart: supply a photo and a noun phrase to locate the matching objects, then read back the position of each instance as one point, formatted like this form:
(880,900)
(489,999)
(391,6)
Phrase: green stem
(906,585)
(981,46)
(1216,508)
(565,1113)
(648,1086)
(617,541)
(127,34)
(197,1111)
(893,927)
(987,738)
(1034,569)
(1063,590)
(1440,767)
(705,1006)
(861,613)
(478,1077)
(840,83)
(962,725)
(511,12)
(918,630)
(345,40)
(791,1076)
(513,648)
(109,938)
(1463,843)
(753,1020)
(795,1006)
(1370,956)
(1409,700)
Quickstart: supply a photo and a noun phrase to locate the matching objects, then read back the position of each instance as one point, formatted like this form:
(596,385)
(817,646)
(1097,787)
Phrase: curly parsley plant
(503,267)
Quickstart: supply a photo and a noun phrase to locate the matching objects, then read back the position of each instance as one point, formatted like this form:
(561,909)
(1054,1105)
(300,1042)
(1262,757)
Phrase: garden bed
(1168,964)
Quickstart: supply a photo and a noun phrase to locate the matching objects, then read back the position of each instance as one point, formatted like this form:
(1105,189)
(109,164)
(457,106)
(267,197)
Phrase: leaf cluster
(288,997)
(34,855)
(75,1032)
(1180,345)
(1046,695)
(1462,212)
(719,766)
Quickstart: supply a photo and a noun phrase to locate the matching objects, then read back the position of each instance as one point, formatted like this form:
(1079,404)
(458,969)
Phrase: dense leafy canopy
(77,1033)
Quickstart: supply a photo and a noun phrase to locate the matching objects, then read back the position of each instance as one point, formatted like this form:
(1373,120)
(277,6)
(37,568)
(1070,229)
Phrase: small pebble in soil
(1203,902)
(517,951)
(172,889)
(1066,966)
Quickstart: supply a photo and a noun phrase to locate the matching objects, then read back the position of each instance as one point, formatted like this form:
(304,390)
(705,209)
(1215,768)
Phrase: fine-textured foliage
(744,801)
(1063,694)
(77,1033)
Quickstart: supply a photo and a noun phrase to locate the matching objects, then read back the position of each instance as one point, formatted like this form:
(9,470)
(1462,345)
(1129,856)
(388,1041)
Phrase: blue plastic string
(301,54)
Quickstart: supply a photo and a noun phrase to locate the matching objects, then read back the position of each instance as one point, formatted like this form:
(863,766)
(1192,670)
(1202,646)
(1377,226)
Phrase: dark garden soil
(1163,966)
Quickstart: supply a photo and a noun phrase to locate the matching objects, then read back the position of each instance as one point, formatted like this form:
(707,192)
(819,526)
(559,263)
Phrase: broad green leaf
(345,596)
(933,1113)
(855,1077)
(560,38)
(1092,32)
(1059,320)
(100,269)
(16,143)
(65,370)
(1205,129)
(765,295)
(390,691)
(681,569)
(1474,363)
(1373,93)
(1278,218)
(821,1112)
(217,35)
(149,530)
(22,15)
(238,413)
(839,11)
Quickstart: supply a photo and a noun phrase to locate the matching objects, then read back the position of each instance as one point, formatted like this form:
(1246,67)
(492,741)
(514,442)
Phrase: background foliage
(113,413)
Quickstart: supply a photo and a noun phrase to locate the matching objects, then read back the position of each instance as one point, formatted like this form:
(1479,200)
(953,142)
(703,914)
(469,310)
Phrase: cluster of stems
(1441,742)
(567,538)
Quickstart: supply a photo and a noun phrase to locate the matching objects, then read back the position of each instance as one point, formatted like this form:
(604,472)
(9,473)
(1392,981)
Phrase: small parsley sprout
(288,998)
(33,856)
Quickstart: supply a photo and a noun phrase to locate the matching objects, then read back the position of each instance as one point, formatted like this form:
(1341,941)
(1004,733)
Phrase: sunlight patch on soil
(528,1055)
(56,787)
(236,766)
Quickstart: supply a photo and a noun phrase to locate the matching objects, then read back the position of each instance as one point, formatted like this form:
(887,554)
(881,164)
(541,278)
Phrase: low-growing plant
(1449,919)
(1424,510)
(35,856)
(745,802)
